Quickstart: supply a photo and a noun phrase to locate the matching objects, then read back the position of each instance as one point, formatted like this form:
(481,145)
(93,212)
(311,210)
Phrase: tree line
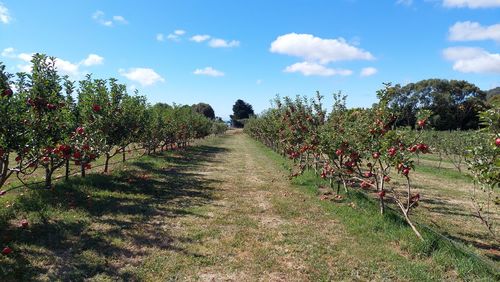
(49,121)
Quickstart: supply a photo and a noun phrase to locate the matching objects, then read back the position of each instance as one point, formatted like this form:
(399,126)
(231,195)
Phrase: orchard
(50,122)
(362,149)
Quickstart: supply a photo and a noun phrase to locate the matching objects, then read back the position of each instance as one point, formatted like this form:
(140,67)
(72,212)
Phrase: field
(187,141)
(199,214)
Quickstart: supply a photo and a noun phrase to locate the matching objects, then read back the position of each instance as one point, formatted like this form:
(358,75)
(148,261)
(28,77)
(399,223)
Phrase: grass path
(221,211)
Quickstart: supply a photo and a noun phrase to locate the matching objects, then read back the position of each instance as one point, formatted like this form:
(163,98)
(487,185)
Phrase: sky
(216,52)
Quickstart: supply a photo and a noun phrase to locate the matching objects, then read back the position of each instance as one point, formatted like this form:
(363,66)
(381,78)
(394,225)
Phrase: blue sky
(219,51)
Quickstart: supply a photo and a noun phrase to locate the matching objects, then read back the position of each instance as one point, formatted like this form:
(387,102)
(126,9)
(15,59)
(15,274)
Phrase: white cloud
(93,60)
(120,19)
(25,68)
(4,14)
(160,37)
(221,43)
(208,71)
(315,49)
(200,38)
(173,37)
(144,76)
(8,52)
(308,69)
(470,31)
(63,66)
(369,71)
(473,4)
(404,2)
(66,67)
(25,57)
(100,18)
(473,60)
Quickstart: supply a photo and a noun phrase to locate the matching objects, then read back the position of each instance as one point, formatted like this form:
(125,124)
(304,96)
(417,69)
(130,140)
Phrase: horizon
(194,51)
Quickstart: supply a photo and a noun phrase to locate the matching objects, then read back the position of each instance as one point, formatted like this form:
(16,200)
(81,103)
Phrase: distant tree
(493,96)
(454,103)
(241,111)
(204,109)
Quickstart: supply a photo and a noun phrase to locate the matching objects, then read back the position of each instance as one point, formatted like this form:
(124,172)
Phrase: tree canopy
(204,109)
(454,103)
(241,111)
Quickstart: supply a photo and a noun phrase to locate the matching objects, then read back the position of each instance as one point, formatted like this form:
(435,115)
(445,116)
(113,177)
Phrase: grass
(365,222)
(91,226)
(222,210)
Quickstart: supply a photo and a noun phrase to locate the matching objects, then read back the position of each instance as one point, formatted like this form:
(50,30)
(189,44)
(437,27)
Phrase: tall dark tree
(454,103)
(241,111)
(204,109)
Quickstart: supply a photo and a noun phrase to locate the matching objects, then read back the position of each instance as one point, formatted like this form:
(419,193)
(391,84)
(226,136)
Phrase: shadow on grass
(105,224)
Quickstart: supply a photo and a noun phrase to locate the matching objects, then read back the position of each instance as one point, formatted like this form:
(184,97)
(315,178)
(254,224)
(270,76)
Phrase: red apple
(415,197)
(77,155)
(6,251)
(368,174)
(80,130)
(406,171)
(2,192)
(421,123)
(376,155)
(24,223)
(7,92)
(339,152)
(387,179)
(96,108)
(497,142)
(365,185)
(381,194)
(392,151)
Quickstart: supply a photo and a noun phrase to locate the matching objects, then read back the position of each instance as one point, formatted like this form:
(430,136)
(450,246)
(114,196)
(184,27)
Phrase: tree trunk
(48,177)
(66,173)
(106,163)
(83,170)
(4,166)
(382,205)
(413,227)
(123,155)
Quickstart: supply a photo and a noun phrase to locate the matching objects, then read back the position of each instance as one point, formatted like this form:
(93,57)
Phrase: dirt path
(223,210)
(258,228)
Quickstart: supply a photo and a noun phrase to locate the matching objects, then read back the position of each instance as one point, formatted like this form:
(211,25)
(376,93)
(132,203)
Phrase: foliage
(353,147)
(204,109)
(241,112)
(454,103)
(484,164)
(43,126)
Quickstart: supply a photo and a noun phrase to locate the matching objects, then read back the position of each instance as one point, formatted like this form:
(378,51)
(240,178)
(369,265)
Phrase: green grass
(204,213)
(84,226)
(435,257)
(446,173)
